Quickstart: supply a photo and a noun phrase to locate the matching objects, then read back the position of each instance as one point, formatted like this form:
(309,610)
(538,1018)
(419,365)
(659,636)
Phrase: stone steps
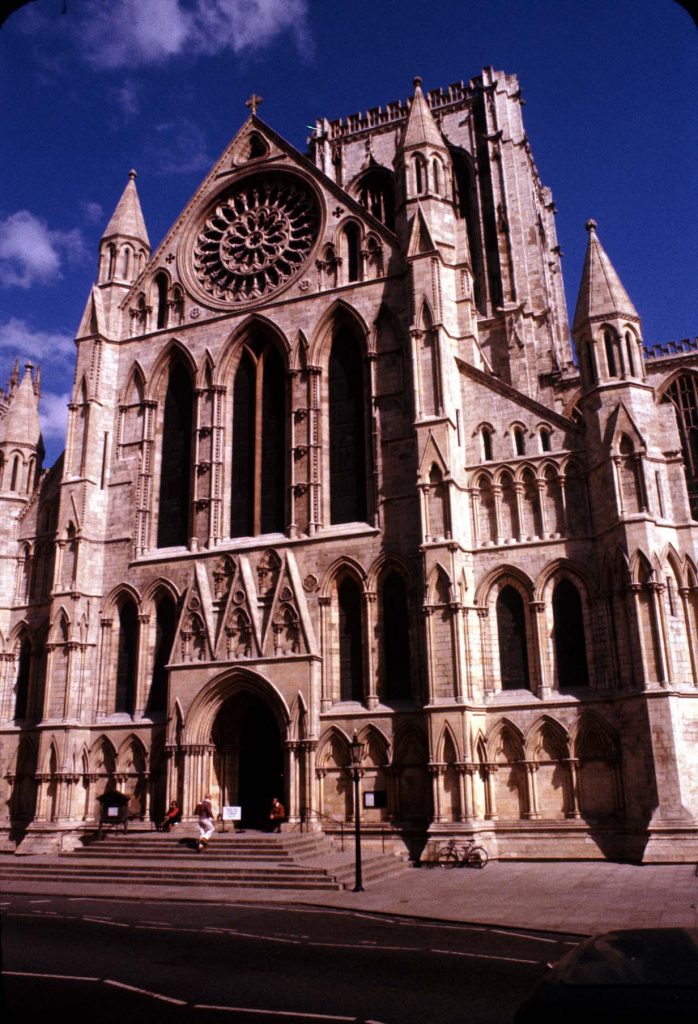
(254,861)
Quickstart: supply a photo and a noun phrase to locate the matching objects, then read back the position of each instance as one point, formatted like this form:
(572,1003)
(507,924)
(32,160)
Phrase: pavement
(576,897)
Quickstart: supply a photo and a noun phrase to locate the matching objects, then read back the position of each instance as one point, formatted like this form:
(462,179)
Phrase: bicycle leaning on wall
(454,854)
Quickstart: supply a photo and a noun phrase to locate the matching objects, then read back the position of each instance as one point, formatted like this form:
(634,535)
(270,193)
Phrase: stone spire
(601,294)
(127,219)
(421,128)
(20,424)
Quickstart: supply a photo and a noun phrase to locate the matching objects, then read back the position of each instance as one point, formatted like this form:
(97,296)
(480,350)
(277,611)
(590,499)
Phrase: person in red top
(173,817)
(276,815)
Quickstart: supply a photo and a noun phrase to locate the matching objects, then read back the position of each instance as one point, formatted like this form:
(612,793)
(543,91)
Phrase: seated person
(173,817)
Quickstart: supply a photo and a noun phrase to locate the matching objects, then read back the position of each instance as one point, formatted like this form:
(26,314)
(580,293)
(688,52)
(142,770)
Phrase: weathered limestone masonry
(332,466)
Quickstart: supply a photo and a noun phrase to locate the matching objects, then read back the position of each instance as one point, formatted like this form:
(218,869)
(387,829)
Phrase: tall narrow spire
(127,219)
(601,293)
(20,425)
(421,128)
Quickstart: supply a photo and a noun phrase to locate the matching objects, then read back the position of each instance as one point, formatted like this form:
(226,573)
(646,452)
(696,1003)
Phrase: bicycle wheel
(477,857)
(448,857)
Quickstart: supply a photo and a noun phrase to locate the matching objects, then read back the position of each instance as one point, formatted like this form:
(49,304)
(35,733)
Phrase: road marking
(54,977)
(105,920)
(276,1013)
(521,935)
(486,956)
(145,992)
(39,901)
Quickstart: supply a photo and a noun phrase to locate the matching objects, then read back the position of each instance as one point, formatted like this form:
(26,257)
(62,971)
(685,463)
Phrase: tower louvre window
(609,344)
(162,308)
(683,394)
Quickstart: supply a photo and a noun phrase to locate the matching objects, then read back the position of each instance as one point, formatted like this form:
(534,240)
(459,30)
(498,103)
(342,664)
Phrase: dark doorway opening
(249,759)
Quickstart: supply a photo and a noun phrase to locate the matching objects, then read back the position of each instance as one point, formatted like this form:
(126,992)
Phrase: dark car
(638,975)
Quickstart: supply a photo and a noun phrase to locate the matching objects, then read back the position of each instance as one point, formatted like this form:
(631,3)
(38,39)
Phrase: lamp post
(357,754)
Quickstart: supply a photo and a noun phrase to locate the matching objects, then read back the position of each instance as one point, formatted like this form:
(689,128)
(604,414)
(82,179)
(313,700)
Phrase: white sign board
(232,814)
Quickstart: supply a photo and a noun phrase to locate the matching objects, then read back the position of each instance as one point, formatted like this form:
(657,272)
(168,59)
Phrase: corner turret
(606,326)
(424,174)
(21,444)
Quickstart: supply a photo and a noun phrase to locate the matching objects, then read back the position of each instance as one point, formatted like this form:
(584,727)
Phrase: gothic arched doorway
(248,763)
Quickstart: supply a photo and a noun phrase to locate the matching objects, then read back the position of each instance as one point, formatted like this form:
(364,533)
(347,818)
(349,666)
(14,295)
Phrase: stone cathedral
(335,463)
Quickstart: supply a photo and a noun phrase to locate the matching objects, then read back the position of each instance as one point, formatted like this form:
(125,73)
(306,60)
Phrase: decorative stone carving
(256,239)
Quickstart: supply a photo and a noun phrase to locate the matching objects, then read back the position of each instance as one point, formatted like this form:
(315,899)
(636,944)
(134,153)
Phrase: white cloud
(179,148)
(20,339)
(136,32)
(53,414)
(30,252)
(94,212)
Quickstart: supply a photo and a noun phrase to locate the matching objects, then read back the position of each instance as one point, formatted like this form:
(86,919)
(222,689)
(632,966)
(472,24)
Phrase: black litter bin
(113,810)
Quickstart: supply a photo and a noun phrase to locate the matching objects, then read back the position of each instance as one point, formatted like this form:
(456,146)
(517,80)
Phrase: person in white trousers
(206,826)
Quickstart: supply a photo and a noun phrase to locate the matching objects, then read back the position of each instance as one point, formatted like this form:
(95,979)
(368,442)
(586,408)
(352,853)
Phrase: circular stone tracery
(256,239)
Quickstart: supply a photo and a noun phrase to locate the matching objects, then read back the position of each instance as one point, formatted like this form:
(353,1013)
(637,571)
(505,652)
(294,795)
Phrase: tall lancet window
(568,634)
(347,431)
(175,471)
(165,624)
(351,673)
(396,638)
(258,499)
(126,658)
(511,630)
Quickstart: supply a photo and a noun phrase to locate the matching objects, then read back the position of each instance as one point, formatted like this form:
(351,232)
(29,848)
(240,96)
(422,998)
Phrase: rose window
(256,239)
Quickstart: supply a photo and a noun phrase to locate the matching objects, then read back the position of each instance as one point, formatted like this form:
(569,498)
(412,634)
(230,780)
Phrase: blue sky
(160,85)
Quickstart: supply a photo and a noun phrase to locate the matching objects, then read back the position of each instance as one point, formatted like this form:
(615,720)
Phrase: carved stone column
(437,770)
(530,770)
(326,688)
(369,616)
(572,766)
(291,771)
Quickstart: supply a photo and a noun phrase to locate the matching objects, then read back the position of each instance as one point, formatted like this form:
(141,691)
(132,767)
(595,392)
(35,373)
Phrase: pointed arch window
(629,346)
(347,430)
(165,624)
(610,346)
(352,247)
(175,470)
(568,630)
(15,474)
(377,195)
(486,435)
(396,638)
(437,174)
(683,394)
(420,175)
(519,441)
(23,677)
(126,659)
(161,289)
(351,671)
(511,633)
(258,499)
(544,439)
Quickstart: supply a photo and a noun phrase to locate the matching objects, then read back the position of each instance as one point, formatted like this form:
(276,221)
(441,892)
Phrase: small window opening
(487,444)
(519,443)
(629,350)
(161,286)
(351,233)
(610,354)
(545,439)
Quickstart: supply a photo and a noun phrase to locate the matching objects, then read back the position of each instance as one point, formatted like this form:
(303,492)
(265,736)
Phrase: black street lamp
(357,755)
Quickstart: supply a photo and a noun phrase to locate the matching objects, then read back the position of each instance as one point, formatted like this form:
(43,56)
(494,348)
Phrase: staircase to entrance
(233,860)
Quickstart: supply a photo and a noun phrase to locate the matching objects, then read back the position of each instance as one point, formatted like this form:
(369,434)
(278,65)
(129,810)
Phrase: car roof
(641,956)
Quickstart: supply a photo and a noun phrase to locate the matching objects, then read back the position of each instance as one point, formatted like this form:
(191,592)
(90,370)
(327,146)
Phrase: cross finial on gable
(253,102)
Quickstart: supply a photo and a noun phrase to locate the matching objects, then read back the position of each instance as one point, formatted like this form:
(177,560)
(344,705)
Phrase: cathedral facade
(334,465)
